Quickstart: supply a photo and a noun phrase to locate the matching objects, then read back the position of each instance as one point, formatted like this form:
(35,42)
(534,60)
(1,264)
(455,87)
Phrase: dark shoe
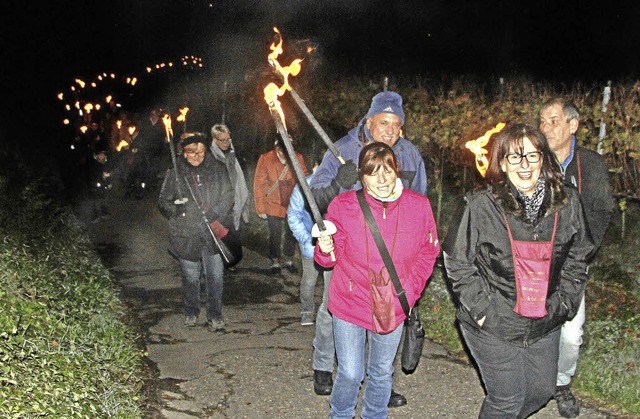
(396,399)
(568,405)
(322,382)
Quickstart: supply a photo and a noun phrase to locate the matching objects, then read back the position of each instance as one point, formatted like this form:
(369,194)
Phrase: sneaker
(322,382)
(568,405)
(190,321)
(306,319)
(275,266)
(288,265)
(215,325)
(396,399)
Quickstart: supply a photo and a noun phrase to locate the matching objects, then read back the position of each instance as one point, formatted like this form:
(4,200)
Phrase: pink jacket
(408,222)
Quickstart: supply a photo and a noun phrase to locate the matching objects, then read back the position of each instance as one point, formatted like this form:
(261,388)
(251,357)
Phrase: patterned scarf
(533,203)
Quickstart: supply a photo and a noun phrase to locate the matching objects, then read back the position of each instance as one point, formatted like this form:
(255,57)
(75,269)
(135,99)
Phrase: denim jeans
(324,351)
(570,341)
(518,380)
(308,285)
(213,269)
(276,225)
(351,348)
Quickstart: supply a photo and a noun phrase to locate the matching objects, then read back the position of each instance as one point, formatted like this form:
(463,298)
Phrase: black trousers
(277,228)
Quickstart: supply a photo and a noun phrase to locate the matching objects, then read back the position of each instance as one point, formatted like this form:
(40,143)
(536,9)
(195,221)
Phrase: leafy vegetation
(65,349)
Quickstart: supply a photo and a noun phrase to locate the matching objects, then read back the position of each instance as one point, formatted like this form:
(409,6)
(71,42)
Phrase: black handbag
(414,332)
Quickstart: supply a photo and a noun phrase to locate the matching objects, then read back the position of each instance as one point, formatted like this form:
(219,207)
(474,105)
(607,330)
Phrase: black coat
(592,180)
(478,259)
(189,234)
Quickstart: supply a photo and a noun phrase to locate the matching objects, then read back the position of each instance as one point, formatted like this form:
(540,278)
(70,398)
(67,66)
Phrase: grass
(65,347)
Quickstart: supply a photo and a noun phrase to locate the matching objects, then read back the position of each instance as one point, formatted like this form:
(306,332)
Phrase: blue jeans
(518,381)
(308,285)
(213,269)
(324,351)
(351,348)
(570,341)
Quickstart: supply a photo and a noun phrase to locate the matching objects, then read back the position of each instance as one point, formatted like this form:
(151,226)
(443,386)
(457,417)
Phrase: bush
(65,349)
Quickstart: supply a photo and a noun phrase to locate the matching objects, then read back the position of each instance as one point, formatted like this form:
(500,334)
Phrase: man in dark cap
(383,122)
(201,185)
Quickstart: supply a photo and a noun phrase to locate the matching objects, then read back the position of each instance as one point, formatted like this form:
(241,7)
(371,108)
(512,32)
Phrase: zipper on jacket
(384,211)
(525,342)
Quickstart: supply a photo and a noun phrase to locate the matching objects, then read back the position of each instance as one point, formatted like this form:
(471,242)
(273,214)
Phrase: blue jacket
(412,174)
(300,221)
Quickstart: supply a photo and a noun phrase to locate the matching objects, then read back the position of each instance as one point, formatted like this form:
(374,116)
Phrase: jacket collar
(506,197)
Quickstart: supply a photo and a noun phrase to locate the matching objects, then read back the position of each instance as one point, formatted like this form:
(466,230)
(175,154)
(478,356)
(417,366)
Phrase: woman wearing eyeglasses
(515,258)
(201,185)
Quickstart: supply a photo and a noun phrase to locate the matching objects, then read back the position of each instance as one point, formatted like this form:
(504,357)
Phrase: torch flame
(272,91)
(122,144)
(477,147)
(183,114)
(166,120)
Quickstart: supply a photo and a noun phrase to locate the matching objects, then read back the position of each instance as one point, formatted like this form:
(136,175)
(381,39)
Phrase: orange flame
(122,144)
(131,129)
(477,147)
(183,114)
(166,120)
(272,91)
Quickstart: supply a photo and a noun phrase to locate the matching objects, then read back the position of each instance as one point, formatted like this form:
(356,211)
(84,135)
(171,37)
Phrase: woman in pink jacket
(360,281)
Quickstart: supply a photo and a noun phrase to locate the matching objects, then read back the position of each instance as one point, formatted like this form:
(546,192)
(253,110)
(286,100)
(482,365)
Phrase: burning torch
(271,93)
(166,120)
(477,147)
(183,118)
(294,69)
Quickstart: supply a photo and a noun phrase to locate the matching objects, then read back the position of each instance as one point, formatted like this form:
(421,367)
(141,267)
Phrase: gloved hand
(262,216)
(347,175)
(219,230)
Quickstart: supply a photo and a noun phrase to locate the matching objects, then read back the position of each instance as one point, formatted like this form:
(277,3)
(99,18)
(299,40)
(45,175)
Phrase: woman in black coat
(201,185)
(515,258)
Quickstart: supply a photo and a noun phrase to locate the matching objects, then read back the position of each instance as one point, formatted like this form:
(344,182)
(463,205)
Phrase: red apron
(532,268)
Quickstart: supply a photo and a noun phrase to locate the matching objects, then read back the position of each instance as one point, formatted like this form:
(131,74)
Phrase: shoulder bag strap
(273,187)
(386,257)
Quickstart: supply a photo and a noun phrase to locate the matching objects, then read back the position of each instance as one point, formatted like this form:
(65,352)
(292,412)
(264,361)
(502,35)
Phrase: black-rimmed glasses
(516,158)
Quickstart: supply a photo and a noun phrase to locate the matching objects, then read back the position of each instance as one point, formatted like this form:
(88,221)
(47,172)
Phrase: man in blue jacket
(383,122)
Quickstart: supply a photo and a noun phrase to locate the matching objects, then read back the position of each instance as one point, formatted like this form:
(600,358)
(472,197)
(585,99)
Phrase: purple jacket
(408,222)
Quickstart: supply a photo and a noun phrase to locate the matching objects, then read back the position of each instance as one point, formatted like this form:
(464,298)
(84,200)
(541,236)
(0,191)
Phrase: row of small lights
(88,106)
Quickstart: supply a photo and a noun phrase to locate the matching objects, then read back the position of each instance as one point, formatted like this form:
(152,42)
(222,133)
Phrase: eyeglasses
(222,140)
(516,158)
(194,153)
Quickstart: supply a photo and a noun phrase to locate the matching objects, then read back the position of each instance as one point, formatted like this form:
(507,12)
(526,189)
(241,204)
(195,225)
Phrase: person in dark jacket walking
(586,171)
(205,184)
(516,260)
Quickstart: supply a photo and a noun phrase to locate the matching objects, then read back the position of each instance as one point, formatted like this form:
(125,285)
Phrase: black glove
(347,175)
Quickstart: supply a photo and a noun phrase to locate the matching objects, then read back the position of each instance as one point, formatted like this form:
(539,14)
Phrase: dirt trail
(260,366)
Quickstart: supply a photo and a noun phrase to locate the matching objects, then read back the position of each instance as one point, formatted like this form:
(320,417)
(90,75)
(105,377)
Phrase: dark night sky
(45,47)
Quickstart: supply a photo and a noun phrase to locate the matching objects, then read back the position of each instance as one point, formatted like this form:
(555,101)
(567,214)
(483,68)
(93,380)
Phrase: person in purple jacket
(362,297)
